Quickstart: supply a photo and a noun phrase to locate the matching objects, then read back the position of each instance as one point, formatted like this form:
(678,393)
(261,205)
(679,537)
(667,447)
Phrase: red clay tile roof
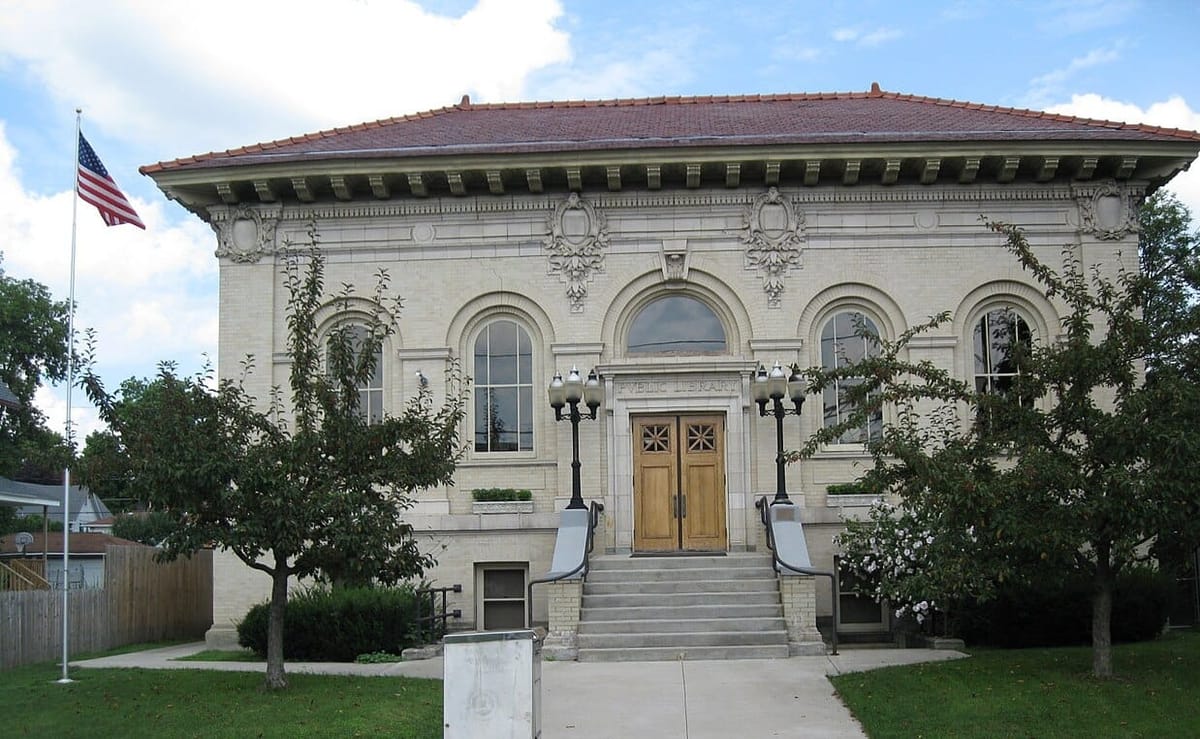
(876,116)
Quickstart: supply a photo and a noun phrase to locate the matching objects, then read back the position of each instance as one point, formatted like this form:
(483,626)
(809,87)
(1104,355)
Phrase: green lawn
(1035,693)
(201,703)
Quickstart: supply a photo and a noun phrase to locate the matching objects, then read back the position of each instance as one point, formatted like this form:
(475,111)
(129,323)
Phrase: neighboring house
(8,399)
(85,563)
(674,245)
(100,525)
(85,508)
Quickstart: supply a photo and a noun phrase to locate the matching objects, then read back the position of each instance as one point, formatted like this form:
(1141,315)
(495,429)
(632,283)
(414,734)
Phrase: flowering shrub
(918,562)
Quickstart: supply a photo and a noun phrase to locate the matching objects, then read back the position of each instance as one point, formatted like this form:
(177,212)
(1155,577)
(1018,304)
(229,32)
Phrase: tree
(1078,468)
(146,527)
(292,489)
(1169,256)
(33,350)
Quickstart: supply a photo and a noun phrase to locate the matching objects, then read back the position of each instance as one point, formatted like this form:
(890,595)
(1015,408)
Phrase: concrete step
(660,654)
(689,598)
(680,625)
(681,607)
(626,562)
(754,585)
(690,574)
(688,639)
(658,612)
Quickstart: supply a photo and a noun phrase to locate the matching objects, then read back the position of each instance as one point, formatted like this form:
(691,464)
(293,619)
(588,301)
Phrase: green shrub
(338,625)
(1043,615)
(498,494)
(849,488)
(149,528)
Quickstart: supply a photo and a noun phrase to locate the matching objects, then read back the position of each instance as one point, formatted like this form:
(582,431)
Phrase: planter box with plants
(501,500)
(850,494)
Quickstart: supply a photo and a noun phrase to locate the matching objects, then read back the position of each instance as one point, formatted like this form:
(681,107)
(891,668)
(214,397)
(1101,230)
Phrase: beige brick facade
(774,239)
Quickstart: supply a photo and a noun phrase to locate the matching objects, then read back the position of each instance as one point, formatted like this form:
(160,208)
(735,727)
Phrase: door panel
(655,480)
(702,460)
(679,483)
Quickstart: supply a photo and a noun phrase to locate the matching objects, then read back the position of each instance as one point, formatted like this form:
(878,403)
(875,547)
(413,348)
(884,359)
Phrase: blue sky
(162,80)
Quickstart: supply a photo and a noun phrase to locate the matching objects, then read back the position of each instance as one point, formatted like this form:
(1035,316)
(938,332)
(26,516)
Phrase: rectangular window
(857,610)
(500,595)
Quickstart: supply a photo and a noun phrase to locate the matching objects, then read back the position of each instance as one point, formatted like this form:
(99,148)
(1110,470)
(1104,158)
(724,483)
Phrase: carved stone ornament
(773,233)
(245,235)
(1107,211)
(674,259)
(576,238)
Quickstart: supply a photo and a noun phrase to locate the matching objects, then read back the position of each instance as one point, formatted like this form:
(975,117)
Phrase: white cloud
(1171,113)
(1050,82)
(860,37)
(627,66)
(1085,16)
(150,295)
(283,65)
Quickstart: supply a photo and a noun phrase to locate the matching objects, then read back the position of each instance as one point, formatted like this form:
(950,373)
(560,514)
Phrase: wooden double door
(679,483)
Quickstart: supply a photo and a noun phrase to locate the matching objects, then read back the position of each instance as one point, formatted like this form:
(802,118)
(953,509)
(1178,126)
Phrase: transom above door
(679,483)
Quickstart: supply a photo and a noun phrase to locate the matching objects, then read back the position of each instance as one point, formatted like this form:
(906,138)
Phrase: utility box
(492,685)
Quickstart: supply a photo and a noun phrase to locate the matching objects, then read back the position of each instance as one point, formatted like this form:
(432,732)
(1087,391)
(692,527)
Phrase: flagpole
(66,538)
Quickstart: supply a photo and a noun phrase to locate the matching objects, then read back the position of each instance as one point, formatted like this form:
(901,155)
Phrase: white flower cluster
(919,610)
(891,555)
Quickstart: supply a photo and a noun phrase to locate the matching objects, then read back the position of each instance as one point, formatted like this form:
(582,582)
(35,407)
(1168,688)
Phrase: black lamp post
(570,392)
(773,388)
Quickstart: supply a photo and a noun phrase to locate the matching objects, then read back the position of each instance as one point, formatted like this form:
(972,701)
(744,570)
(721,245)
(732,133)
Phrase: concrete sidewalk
(666,700)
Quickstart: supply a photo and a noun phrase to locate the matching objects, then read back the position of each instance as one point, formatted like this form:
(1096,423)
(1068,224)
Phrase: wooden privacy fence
(141,601)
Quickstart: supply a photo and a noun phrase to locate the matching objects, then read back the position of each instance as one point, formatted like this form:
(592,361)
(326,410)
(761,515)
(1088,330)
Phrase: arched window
(998,334)
(351,338)
(676,325)
(503,388)
(844,342)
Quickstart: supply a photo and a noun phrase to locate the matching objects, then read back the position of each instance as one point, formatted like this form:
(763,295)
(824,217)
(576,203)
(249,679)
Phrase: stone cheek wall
(799,596)
(564,598)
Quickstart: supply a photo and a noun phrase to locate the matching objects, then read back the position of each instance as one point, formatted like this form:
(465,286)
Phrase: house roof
(8,398)
(79,543)
(32,496)
(27,494)
(742,120)
(806,140)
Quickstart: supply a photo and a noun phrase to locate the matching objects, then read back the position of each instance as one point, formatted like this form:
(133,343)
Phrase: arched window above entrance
(677,324)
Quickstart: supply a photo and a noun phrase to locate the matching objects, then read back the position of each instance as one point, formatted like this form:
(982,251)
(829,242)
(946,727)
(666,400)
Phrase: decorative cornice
(577,235)
(773,232)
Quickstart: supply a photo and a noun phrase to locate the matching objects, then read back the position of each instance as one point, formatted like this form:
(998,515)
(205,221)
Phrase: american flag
(98,189)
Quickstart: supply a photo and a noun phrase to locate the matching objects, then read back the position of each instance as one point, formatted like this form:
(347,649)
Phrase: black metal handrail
(426,630)
(762,505)
(595,509)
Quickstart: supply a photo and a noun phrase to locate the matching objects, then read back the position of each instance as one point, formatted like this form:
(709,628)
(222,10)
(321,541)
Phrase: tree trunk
(1102,597)
(276,680)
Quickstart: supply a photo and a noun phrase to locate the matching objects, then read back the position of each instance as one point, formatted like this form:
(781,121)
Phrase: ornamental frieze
(577,236)
(245,235)
(773,232)
(1107,211)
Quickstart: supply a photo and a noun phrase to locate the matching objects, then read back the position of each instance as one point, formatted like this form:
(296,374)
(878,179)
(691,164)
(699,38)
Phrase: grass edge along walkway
(1035,693)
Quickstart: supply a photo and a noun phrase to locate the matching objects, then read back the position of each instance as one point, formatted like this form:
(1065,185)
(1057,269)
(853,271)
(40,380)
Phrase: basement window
(501,588)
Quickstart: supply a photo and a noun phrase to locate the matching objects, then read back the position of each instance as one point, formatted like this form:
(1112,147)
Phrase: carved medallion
(1107,211)
(245,235)
(773,233)
(577,236)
